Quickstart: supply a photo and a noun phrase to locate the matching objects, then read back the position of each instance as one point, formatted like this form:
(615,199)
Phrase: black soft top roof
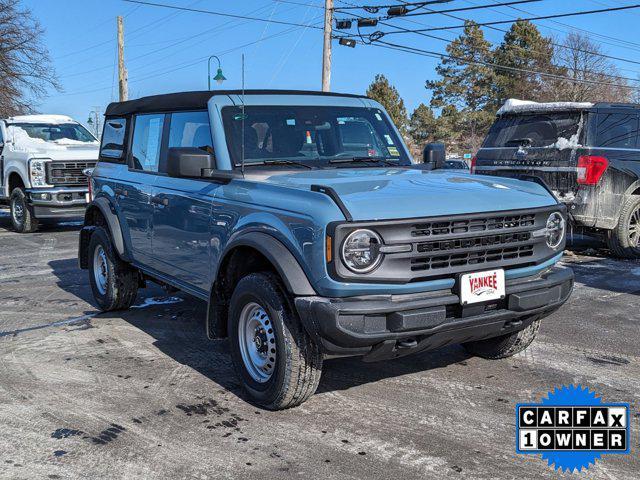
(196,100)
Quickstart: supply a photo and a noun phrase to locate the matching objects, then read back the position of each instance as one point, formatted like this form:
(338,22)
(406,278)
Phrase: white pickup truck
(42,159)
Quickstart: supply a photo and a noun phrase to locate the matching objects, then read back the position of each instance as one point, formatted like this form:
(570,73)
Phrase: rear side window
(147,139)
(190,129)
(113,138)
(616,130)
(540,130)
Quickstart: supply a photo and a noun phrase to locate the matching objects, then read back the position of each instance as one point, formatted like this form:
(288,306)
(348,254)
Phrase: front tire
(505,345)
(624,240)
(22,217)
(114,283)
(275,358)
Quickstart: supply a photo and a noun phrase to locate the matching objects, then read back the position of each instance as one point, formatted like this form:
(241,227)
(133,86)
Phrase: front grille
(471,225)
(444,247)
(471,259)
(67,173)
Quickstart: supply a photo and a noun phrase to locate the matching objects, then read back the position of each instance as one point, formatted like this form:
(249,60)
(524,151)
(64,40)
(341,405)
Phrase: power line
(221,14)
(378,35)
(375,8)
(530,19)
(433,54)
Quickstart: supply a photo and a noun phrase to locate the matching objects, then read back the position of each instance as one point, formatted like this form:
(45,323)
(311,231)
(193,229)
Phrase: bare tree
(26,73)
(594,75)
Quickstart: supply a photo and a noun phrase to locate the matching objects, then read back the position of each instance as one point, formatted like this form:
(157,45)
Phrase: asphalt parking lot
(143,394)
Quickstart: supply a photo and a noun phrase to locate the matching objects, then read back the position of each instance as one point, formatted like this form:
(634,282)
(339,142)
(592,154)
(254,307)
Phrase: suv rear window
(616,130)
(538,130)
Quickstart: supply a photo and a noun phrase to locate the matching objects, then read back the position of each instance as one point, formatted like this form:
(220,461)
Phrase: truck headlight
(556,227)
(361,251)
(37,173)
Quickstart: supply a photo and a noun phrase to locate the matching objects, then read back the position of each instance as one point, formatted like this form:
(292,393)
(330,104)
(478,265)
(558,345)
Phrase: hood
(395,193)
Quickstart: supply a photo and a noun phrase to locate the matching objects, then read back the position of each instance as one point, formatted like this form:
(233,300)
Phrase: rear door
(134,193)
(544,144)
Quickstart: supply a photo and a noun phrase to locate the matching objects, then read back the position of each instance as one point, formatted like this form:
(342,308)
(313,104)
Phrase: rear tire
(22,217)
(114,283)
(624,240)
(273,355)
(505,345)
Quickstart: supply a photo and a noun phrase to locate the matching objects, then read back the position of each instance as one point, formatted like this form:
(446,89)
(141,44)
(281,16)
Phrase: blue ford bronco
(303,222)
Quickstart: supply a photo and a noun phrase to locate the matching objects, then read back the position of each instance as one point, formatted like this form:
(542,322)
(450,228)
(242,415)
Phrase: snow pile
(50,119)
(513,105)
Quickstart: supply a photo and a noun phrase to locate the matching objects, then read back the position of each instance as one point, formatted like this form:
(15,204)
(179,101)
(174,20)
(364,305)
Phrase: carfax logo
(572,428)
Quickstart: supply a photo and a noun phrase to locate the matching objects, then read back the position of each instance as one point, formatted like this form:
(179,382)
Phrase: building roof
(196,100)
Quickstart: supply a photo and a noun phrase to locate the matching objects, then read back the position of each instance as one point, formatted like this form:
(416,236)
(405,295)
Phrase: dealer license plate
(482,287)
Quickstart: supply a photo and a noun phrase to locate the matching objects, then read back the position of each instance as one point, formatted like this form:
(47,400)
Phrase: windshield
(539,130)
(311,136)
(58,132)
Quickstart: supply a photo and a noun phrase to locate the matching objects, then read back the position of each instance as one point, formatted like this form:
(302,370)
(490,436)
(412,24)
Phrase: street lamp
(219,78)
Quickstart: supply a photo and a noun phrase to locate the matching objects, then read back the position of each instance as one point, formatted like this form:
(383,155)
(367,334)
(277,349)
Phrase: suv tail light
(472,169)
(591,168)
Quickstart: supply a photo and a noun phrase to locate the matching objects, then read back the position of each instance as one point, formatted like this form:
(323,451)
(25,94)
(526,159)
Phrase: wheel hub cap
(634,228)
(257,342)
(100,269)
(18,212)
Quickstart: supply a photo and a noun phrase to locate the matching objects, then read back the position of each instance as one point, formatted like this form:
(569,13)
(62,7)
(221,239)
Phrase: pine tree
(465,82)
(422,125)
(386,94)
(524,48)
(466,90)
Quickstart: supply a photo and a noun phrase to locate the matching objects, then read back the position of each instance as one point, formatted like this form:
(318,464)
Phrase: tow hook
(407,343)
(512,324)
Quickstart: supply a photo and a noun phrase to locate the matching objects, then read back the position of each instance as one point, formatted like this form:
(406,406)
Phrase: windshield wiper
(277,162)
(385,160)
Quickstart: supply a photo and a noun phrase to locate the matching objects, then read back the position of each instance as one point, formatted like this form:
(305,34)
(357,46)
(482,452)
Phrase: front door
(182,208)
(135,192)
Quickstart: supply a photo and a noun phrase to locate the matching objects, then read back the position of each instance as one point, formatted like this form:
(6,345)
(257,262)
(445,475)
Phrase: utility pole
(122,70)
(96,114)
(326,49)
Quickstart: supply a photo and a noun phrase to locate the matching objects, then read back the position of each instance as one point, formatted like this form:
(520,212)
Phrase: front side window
(113,138)
(535,130)
(147,139)
(191,129)
(616,130)
(314,136)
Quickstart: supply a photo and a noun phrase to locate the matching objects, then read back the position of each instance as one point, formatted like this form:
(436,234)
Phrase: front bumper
(58,202)
(389,326)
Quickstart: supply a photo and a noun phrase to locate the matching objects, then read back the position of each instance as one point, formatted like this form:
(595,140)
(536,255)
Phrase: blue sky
(166,50)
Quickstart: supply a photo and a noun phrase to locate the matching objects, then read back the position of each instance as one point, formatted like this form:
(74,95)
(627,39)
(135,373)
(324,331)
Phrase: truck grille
(443,247)
(472,225)
(67,173)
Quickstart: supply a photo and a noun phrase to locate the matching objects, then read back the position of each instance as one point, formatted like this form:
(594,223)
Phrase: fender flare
(113,223)
(632,188)
(293,276)
(290,271)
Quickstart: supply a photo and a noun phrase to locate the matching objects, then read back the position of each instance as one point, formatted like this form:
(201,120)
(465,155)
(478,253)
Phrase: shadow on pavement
(176,323)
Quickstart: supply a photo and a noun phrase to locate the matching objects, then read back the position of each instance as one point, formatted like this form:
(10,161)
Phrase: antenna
(242,157)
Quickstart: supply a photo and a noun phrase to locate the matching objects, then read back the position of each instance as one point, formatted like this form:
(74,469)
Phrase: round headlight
(361,251)
(556,227)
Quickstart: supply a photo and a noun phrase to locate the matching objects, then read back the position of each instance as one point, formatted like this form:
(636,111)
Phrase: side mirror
(191,162)
(434,154)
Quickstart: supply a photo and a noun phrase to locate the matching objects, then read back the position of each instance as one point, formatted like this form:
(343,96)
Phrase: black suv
(587,154)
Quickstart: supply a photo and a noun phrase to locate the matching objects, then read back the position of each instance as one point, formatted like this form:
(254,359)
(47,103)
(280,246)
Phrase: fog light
(41,196)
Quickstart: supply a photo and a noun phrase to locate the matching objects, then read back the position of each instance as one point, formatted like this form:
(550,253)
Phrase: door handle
(160,201)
